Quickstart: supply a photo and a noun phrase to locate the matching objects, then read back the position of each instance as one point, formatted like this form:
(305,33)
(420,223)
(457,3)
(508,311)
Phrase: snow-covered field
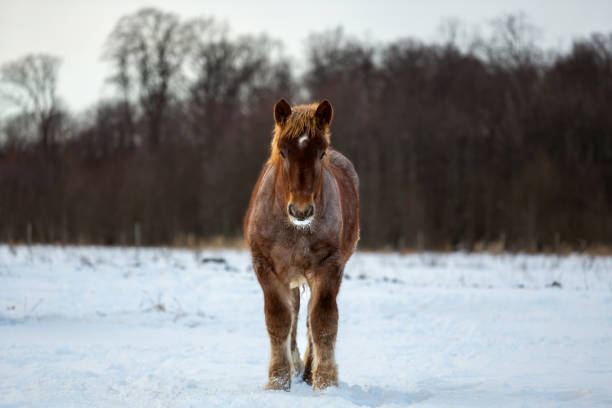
(121,327)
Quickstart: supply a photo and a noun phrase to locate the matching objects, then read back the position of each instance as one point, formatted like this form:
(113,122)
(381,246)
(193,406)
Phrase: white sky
(76,30)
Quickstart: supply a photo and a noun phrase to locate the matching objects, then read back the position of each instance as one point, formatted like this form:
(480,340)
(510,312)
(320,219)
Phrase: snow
(107,327)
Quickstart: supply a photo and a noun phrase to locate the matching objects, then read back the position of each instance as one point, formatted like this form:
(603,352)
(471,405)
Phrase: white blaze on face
(303,141)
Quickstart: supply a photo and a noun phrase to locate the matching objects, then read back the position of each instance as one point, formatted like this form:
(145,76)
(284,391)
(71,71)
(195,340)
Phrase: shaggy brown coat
(302,225)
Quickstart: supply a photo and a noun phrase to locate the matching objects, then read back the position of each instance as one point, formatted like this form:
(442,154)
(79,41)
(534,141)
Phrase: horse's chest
(294,260)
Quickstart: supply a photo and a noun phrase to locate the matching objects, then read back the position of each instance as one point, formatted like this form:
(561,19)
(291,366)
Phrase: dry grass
(190,241)
(217,242)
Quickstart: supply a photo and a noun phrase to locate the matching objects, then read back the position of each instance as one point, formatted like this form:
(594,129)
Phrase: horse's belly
(296,277)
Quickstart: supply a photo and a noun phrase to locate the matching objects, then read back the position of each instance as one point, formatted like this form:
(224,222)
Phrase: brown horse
(302,226)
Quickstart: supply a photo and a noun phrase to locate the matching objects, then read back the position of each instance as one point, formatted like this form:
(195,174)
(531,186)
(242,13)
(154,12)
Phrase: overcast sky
(76,30)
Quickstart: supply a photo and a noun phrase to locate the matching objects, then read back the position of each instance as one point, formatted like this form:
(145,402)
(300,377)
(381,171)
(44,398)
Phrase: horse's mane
(301,121)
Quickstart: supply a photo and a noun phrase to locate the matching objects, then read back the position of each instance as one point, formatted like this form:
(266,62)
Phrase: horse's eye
(322,155)
(282,155)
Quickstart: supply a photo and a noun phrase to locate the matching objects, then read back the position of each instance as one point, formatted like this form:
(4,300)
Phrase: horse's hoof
(321,385)
(325,377)
(278,384)
(307,378)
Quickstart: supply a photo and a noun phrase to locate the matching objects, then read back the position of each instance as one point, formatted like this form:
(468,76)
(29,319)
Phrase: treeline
(464,143)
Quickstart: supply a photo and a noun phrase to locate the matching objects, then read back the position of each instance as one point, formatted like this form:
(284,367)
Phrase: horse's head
(301,139)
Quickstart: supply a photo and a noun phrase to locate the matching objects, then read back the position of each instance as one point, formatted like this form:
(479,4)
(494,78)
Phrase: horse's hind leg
(296,360)
(308,354)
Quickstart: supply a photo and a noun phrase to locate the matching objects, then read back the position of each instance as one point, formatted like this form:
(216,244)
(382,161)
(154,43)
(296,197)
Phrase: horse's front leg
(323,325)
(278,313)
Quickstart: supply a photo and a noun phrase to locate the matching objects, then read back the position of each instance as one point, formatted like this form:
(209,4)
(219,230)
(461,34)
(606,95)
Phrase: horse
(302,226)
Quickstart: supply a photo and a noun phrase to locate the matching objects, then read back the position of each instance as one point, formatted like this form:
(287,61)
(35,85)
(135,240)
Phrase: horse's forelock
(301,121)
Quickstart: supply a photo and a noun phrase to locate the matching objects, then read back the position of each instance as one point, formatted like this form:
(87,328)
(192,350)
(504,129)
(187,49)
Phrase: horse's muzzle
(300,215)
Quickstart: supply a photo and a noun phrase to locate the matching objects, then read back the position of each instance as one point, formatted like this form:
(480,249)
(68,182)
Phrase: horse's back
(344,166)
(348,186)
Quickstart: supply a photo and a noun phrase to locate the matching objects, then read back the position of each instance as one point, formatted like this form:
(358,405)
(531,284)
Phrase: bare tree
(30,84)
(147,49)
(230,76)
(513,42)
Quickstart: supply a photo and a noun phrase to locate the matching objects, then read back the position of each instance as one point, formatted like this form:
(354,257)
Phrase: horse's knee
(324,317)
(278,318)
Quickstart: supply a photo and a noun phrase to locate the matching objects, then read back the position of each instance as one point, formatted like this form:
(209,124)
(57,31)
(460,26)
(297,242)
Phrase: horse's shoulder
(260,196)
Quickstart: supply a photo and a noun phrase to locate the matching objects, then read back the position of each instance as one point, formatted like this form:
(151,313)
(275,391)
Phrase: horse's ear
(324,114)
(282,110)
